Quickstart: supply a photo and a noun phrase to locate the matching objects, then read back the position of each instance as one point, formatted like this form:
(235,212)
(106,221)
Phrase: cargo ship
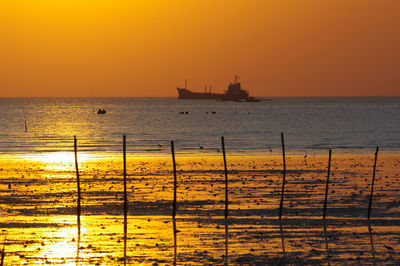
(234,93)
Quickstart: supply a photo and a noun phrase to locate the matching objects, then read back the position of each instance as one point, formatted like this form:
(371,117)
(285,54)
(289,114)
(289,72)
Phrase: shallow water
(312,125)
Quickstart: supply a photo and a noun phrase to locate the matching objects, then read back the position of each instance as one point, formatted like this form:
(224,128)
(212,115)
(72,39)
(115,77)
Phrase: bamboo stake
(175,182)
(282,239)
(327,183)
(78,210)
(26,124)
(226,242)
(125,199)
(226,200)
(372,244)
(226,178)
(372,185)
(326,245)
(175,244)
(3,252)
(284,176)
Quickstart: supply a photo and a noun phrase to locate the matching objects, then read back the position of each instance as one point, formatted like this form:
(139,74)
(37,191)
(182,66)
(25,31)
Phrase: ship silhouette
(234,93)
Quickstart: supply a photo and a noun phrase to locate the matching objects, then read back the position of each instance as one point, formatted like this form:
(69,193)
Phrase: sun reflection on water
(63,247)
(60,161)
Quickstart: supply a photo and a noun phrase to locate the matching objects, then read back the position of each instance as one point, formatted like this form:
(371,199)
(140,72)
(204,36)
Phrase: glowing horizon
(147,48)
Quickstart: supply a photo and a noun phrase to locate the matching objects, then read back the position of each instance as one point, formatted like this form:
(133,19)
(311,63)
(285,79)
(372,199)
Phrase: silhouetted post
(372,244)
(226,242)
(175,182)
(175,244)
(26,124)
(327,183)
(326,245)
(125,200)
(78,245)
(226,178)
(372,185)
(284,176)
(282,239)
(78,209)
(3,252)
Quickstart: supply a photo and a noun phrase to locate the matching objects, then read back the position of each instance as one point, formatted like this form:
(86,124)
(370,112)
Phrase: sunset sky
(146,48)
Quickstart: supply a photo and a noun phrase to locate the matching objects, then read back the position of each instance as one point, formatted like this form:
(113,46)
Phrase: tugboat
(234,93)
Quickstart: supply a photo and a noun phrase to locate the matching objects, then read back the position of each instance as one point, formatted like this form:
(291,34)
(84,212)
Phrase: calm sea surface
(310,125)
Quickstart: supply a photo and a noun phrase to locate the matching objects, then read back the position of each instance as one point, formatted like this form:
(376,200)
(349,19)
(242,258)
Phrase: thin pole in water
(78,209)
(78,185)
(327,183)
(125,199)
(226,242)
(175,244)
(226,177)
(372,185)
(26,123)
(284,176)
(175,182)
(3,252)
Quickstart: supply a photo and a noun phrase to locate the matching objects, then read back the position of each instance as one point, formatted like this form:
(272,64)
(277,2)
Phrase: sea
(35,126)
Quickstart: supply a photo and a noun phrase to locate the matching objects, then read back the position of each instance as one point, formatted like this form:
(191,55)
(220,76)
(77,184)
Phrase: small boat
(101,112)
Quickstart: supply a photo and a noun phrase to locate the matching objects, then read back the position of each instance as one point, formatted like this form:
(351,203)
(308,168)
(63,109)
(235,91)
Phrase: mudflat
(39,223)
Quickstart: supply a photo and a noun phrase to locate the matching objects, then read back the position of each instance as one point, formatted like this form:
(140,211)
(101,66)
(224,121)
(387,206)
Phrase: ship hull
(234,93)
(185,94)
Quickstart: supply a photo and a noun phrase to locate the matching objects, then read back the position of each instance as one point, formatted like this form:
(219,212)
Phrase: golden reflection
(63,247)
(60,161)
(57,157)
(40,222)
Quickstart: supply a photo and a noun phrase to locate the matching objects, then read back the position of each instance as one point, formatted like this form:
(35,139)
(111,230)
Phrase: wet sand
(39,224)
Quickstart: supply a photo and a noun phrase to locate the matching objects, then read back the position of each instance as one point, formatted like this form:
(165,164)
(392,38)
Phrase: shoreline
(93,156)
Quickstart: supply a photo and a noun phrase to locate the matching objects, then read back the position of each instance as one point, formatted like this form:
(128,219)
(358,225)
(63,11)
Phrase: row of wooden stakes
(174,203)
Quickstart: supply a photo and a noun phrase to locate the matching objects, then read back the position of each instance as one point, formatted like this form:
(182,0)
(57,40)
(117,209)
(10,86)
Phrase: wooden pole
(3,252)
(226,242)
(326,245)
(372,244)
(125,199)
(26,124)
(284,176)
(282,239)
(372,185)
(175,182)
(226,178)
(175,244)
(78,209)
(327,183)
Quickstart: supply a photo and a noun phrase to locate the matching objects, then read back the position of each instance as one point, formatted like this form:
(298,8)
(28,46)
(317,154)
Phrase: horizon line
(174,97)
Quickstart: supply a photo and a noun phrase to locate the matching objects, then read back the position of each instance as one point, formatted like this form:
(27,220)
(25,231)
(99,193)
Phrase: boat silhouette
(234,93)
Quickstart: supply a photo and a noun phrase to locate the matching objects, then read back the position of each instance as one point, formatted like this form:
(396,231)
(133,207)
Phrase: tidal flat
(39,204)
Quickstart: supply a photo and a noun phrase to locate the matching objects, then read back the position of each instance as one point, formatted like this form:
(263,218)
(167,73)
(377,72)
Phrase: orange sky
(147,47)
